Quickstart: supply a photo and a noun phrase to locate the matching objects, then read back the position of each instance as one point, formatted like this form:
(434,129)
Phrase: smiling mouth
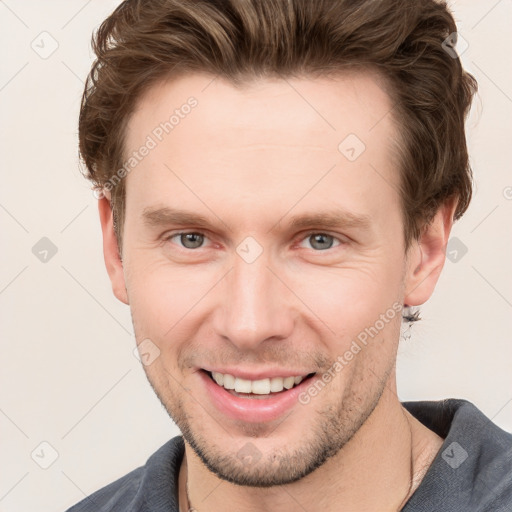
(262,388)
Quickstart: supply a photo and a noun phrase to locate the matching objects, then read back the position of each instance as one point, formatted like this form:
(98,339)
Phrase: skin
(246,158)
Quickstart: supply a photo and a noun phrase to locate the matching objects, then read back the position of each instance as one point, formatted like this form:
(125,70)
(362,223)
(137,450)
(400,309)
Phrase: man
(277,180)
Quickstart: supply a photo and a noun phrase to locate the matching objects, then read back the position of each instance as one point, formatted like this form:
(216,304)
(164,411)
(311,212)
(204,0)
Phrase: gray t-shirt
(472,471)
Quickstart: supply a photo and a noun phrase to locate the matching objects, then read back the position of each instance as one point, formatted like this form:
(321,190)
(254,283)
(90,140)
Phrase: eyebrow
(155,217)
(331,219)
(339,217)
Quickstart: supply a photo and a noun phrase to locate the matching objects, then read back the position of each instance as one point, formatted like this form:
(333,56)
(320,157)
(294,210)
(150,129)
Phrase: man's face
(252,293)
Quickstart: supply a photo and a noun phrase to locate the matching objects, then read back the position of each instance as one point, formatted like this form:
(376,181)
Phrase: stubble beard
(334,426)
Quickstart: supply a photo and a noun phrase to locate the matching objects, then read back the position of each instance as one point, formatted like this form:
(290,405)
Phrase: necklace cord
(191,508)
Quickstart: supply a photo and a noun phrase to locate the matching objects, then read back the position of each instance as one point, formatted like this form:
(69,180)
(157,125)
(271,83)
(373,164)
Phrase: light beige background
(69,376)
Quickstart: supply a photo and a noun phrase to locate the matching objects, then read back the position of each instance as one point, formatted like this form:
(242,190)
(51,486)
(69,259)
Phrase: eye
(194,240)
(190,240)
(321,241)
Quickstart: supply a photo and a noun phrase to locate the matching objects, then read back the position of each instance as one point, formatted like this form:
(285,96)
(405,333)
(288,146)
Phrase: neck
(377,470)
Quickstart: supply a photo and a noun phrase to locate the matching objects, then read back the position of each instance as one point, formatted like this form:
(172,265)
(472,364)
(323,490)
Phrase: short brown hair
(408,42)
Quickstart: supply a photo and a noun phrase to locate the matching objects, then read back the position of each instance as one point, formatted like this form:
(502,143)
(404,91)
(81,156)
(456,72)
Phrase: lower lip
(252,410)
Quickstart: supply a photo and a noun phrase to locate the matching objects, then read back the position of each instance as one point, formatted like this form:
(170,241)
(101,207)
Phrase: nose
(254,305)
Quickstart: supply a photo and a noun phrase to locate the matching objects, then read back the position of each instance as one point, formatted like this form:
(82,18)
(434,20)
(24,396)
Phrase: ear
(426,256)
(111,251)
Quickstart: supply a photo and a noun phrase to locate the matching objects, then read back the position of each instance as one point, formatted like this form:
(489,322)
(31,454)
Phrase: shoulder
(118,495)
(473,469)
(151,487)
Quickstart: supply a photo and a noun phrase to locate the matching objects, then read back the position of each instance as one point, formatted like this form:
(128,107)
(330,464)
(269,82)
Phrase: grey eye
(321,241)
(191,240)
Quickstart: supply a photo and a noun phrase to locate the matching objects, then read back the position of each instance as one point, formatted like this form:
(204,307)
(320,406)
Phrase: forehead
(307,140)
(266,107)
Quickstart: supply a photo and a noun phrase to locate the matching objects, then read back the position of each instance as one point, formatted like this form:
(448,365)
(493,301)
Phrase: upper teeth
(259,387)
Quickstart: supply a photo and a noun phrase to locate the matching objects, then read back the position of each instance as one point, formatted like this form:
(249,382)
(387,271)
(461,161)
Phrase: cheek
(351,298)
(165,297)
(162,296)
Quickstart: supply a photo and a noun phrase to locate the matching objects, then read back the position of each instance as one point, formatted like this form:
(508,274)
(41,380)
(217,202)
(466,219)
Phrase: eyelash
(169,236)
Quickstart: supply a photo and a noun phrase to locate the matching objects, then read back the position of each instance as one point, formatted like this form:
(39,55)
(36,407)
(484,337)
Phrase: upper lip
(259,374)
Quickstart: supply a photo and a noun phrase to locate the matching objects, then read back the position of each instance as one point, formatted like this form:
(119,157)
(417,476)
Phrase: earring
(410,314)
